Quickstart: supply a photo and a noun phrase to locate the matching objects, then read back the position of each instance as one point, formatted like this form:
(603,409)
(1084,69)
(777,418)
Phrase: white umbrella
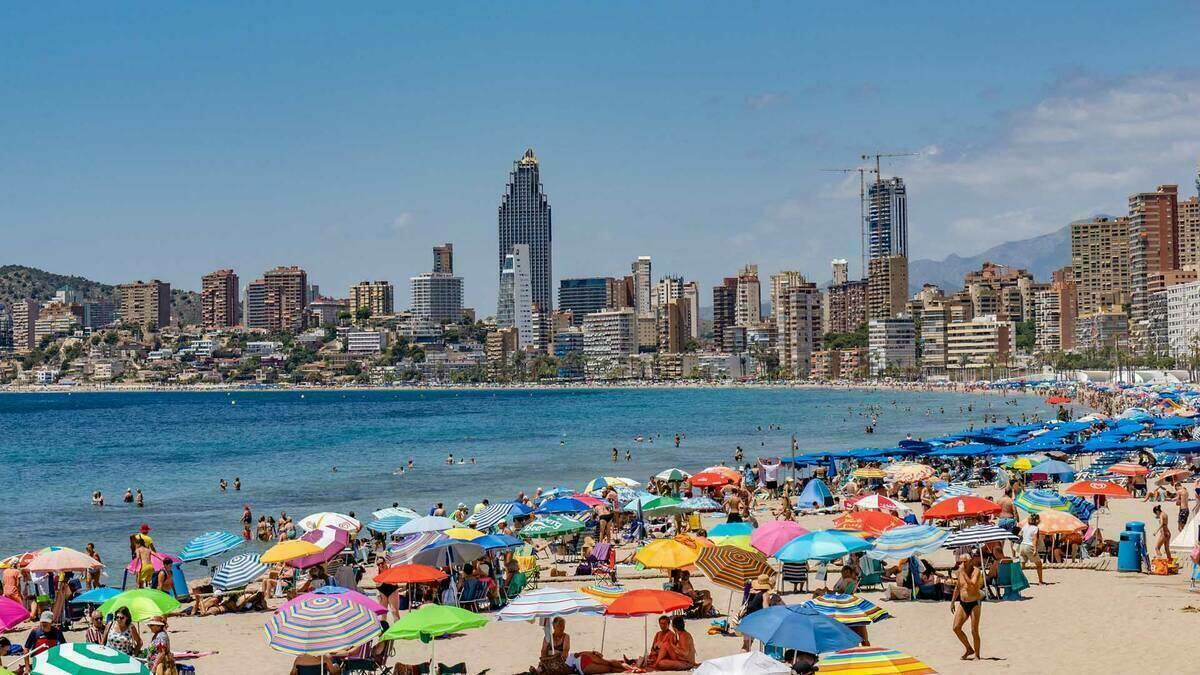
(427,524)
(747,663)
(327,518)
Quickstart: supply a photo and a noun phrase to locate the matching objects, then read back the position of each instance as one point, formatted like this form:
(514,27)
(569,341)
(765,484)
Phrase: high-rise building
(672,331)
(609,334)
(1183,330)
(6,330)
(99,314)
(377,297)
(146,303)
(847,303)
(887,219)
(219,300)
(780,283)
(278,301)
(691,299)
(1001,290)
(982,341)
(667,289)
(1153,241)
(1189,233)
(437,297)
(934,318)
(524,217)
(887,286)
(643,292)
(798,325)
(1100,261)
(620,292)
(724,303)
(841,271)
(443,259)
(891,345)
(584,296)
(1057,307)
(1105,328)
(24,320)
(516,295)
(500,347)
(748,308)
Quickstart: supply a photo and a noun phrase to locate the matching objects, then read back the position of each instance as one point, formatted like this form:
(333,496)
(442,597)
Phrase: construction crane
(862,208)
(877,156)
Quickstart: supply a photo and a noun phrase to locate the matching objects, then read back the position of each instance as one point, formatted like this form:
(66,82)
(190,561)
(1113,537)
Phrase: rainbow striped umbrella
(730,566)
(848,609)
(84,658)
(605,593)
(402,552)
(321,625)
(542,603)
(873,661)
(209,544)
(1036,501)
(906,541)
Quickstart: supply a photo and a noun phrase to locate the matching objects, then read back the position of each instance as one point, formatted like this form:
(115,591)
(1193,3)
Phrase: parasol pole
(603,630)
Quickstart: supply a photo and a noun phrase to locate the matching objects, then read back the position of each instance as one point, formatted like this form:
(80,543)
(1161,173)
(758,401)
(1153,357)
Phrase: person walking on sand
(1027,550)
(968,593)
(1163,543)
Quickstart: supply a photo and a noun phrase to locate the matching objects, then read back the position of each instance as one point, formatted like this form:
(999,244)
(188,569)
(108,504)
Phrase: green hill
(19,281)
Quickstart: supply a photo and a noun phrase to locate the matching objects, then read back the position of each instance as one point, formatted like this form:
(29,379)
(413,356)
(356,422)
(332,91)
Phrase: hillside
(1040,255)
(19,281)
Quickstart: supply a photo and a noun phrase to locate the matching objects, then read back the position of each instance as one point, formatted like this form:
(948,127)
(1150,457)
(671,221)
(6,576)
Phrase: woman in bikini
(682,654)
(556,656)
(968,593)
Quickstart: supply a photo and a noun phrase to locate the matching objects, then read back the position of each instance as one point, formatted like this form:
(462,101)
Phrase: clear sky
(169,139)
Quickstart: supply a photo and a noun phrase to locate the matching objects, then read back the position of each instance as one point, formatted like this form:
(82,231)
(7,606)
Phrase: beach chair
(870,574)
(528,565)
(796,574)
(1011,579)
(516,585)
(474,596)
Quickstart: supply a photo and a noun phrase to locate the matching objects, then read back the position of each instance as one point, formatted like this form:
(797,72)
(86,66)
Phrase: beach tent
(815,495)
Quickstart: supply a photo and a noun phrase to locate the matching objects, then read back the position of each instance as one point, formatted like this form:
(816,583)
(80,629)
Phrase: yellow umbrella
(289,550)
(1021,464)
(667,554)
(463,533)
(741,541)
(869,472)
(909,472)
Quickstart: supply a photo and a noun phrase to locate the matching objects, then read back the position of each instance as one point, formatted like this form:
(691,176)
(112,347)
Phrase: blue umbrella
(96,596)
(389,524)
(492,542)
(906,541)
(562,505)
(1053,468)
(209,544)
(238,571)
(730,530)
(701,504)
(449,552)
(823,545)
(798,627)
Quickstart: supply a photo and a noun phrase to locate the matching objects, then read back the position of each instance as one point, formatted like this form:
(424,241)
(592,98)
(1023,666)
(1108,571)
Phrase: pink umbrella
(156,560)
(343,593)
(587,499)
(331,540)
(770,537)
(11,613)
(63,560)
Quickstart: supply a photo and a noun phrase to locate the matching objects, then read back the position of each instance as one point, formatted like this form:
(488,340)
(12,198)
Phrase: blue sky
(160,141)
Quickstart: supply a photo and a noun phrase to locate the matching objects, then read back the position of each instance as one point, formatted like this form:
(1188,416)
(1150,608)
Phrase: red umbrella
(961,507)
(587,499)
(648,601)
(708,479)
(410,574)
(873,523)
(1128,469)
(1091,488)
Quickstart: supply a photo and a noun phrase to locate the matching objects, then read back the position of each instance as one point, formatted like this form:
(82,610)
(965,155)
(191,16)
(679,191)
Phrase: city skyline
(192,148)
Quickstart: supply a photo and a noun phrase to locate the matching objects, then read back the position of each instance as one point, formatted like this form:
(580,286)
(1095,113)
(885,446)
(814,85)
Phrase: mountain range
(20,281)
(1041,255)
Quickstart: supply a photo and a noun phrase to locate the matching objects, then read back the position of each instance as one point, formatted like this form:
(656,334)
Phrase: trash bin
(1136,526)
(1129,556)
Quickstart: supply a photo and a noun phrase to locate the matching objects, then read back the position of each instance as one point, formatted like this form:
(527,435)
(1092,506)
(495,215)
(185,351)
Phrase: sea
(302,452)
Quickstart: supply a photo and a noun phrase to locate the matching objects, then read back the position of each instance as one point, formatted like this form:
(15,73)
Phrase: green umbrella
(82,658)
(550,526)
(143,603)
(431,621)
(663,506)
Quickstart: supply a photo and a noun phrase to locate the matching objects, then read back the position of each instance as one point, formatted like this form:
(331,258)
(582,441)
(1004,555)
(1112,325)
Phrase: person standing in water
(615,455)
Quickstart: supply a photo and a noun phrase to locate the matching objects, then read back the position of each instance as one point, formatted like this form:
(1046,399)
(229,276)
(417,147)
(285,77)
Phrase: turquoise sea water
(58,448)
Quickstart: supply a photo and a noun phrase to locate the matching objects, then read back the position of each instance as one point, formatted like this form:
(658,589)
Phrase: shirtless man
(968,593)
(1008,514)
(1184,501)
(1163,543)
(681,655)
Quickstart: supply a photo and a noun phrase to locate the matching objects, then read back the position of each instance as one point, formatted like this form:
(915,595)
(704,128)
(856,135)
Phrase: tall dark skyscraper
(887,219)
(524,218)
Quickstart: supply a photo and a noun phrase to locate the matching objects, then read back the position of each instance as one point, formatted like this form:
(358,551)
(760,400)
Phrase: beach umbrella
(329,539)
(562,505)
(771,536)
(646,601)
(850,610)
(343,593)
(729,472)
(730,530)
(209,544)
(156,561)
(20,560)
(875,502)
(554,492)
(741,541)
(401,552)
(96,596)
(592,502)
(330,519)
(550,526)
(908,472)
(673,475)
(869,473)
(873,661)
(544,603)
(605,593)
(238,571)
(1128,469)
(11,613)
(745,663)
(1058,522)
(1020,464)
(730,566)
(142,603)
(396,511)
(907,541)
(427,524)
(1052,468)
(448,553)
(663,506)
(797,627)
(492,542)
(431,621)
(409,574)
(638,502)
(289,550)
(701,504)
(956,490)
(62,560)
(823,545)
(709,479)
(977,535)
(388,524)
(872,523)
(1173,474)
(667,554)
(1035,501)
(463,533)
(321,625)
(961,507)
(597,484)
(1092,488)
(694,540)
(85,658)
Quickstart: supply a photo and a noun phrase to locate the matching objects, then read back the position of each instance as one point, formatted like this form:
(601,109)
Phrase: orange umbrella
(1091,488)
(1128,469)
(409,574)
(1058,522)
(708,479)
(647,601)
(729,472)
(1172,474)
(961,507)
(694,540)
(874,523)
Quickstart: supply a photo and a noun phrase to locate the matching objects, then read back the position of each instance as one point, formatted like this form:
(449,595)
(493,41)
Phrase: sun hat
(145,528)
(762,583)
(46,617)
(157,621)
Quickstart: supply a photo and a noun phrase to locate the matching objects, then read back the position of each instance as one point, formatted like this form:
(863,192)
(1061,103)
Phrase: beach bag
(1163,566)
(554,664)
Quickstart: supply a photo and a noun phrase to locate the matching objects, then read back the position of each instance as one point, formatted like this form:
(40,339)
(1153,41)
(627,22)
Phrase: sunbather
(680,654)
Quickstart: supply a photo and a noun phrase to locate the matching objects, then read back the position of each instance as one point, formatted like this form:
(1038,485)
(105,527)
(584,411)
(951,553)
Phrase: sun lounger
(795,574)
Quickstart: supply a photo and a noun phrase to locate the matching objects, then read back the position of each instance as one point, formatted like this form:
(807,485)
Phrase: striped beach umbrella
(730,566)
(84,658)
(329,540)
(543,603)
(494,513)
(907,541)
(238,571)
(448,553)
(908,472)
(550,526)
(401,511)
(673,475)
(1036,501)
(1058,522)
(402,552)
(605,593)
(388,524)
(701,504)
(870,473)
(209,544)
(873,661)
(1128,469)
(875,502)
(956,490)
(427,524)
(330,519)
(343,593)
(977,535)
(848,609)
(321,625)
